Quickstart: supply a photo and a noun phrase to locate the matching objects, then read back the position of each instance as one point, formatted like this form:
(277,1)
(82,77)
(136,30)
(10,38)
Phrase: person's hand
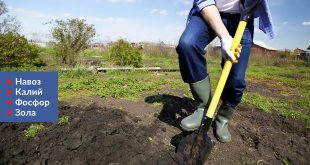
(226,46)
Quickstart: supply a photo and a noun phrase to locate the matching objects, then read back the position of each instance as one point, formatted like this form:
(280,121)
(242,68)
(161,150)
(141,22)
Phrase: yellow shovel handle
(225,73)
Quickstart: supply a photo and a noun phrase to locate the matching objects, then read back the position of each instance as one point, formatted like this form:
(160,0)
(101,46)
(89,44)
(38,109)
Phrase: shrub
(72,36)
(16,51)
(123,54)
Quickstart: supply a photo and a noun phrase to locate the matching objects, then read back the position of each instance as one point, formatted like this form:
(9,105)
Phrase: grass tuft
(64,120)
(33,130)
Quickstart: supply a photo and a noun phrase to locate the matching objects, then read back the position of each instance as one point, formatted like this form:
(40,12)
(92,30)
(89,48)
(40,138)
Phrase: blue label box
(29,97)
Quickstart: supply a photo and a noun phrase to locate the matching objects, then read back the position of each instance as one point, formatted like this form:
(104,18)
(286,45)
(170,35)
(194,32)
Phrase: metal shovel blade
(194,148)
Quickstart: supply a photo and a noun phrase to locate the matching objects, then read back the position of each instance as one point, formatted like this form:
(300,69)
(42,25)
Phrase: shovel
(195,147)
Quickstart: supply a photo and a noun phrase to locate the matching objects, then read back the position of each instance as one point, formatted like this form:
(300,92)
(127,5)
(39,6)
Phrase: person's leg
(235,84)
(191,49)
(192,62)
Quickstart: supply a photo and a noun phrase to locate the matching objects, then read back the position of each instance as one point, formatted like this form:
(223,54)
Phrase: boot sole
(220,140)
(188,130)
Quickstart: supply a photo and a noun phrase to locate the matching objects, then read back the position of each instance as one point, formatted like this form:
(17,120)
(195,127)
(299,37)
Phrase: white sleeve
(200,4)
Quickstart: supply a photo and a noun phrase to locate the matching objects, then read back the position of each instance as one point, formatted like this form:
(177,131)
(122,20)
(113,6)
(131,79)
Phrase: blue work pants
(192,49)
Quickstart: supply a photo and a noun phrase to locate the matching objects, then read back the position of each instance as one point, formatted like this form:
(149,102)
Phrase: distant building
(38,43)
(260,49)
(138,45)
(298,51)
(305,55)
(98,46)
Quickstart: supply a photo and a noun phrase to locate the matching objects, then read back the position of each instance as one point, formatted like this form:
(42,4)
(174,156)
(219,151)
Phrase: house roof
(308,47)
(263,45)
(302,50)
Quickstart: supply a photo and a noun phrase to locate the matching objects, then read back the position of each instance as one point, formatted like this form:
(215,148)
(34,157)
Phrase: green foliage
(92,53)
(268,104)
(76,74)
(262,103)
(72,36)
(123,54)
(112,85)
(15,51)
(33,130)
(161,61)
(64,120)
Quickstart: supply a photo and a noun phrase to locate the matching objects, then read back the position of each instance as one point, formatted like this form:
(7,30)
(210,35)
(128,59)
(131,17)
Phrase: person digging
(209,19)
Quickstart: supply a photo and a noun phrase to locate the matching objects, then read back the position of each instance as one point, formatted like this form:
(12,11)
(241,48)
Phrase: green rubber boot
(202,93)
(224,115)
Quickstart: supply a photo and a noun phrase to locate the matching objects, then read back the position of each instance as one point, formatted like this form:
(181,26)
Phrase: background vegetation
(71,37)
(15,51)
(123,54)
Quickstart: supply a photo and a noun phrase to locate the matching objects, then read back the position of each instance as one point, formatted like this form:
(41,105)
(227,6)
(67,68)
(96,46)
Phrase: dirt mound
(94,136)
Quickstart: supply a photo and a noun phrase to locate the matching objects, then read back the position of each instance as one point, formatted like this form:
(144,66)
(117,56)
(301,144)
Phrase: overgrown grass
(93,53)
(161,61)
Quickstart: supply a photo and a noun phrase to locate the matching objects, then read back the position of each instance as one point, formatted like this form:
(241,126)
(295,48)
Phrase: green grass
(33,130)
(128,85)
(93,53)
(263,103)
(64,120)
(268,104)
(166,62)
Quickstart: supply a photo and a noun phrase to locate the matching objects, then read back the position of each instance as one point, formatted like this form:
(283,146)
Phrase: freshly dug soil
(139,133)
(263,138)
(94,136)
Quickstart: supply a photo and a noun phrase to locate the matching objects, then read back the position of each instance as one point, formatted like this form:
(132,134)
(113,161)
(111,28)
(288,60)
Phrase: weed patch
(33,130)
(111,85)
(268,104)
(64,120)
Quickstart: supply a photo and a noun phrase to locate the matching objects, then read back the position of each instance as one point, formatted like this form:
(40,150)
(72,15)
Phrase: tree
(8,24)
(123,54)
(72,36)
(16,51)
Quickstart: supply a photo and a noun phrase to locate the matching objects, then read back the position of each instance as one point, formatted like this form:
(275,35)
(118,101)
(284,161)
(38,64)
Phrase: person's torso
(228,6)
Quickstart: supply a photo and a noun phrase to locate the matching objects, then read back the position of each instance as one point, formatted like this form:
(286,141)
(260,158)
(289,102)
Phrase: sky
(152,20)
